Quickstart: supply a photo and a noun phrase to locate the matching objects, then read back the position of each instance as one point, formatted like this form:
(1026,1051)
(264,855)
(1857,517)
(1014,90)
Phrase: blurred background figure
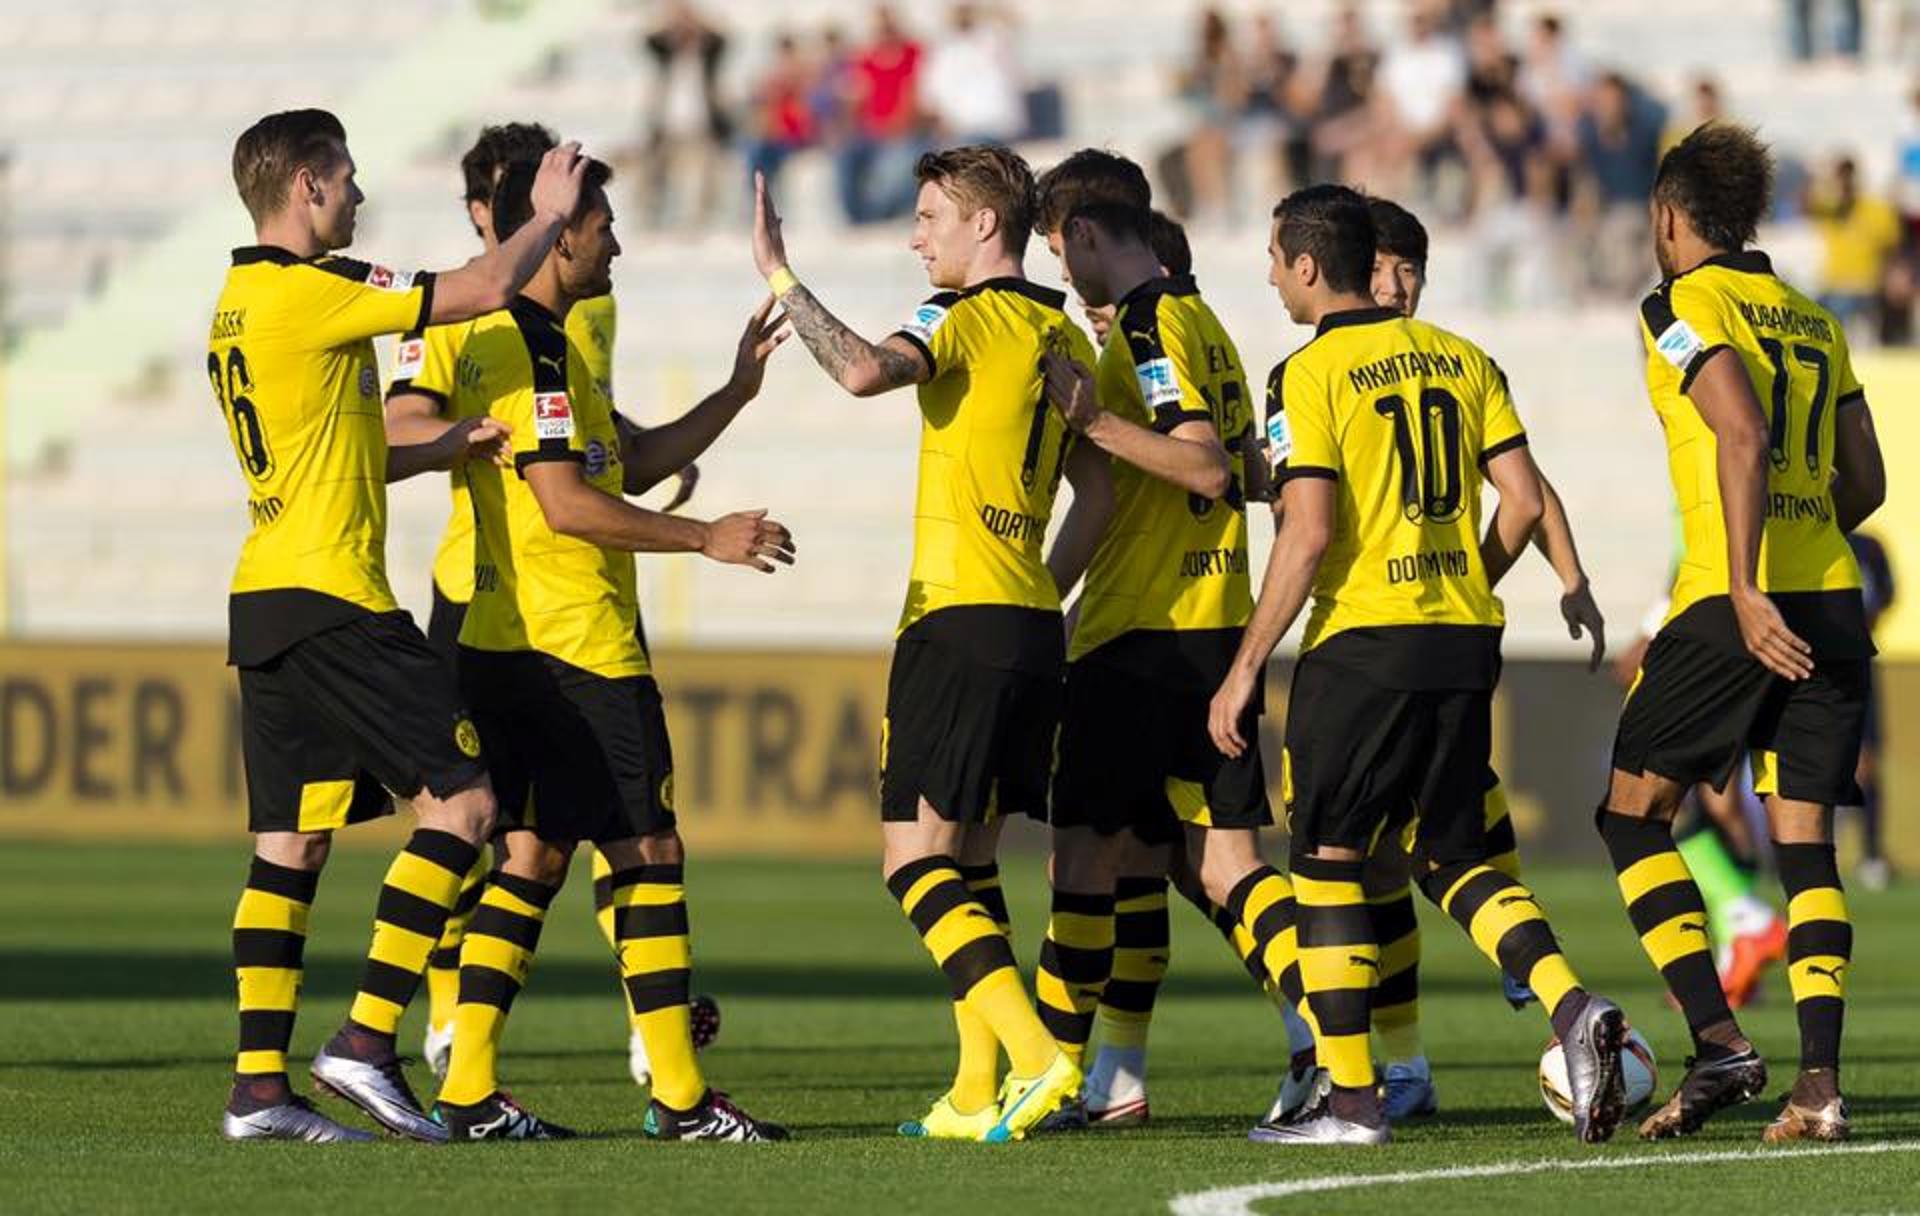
(873,165)
(1337,97)
(1859,235)
(972,89)
(782,119)
(1877,588)
(1422,79)
(1818,27)
(687,127)
(1213,89)
(1619,151)
(1275,118)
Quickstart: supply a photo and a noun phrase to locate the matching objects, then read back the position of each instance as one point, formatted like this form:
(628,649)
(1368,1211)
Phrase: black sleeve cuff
(425,281)
(399,387)
(1166,422)
(1857,397)
(1700,361)
(1291,472)
(522,459)
(1503,447)
(933,365)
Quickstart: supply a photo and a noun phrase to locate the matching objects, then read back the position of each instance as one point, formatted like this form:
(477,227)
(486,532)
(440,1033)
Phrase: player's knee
(1084,860)
(662,849)
(294,850)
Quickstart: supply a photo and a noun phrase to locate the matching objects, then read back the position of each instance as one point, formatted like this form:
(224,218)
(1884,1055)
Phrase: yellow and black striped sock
(1819,948)
(1238,939)
(1339,963)
(1142,946)
(419,893)
(656,961)
(1265,936)
(976,1075)
(1506,922)
(494,961)
(1076,960)
(1503,846)
(976,957)
(269,945)
(443,965)
(1396,999)
(1667,912)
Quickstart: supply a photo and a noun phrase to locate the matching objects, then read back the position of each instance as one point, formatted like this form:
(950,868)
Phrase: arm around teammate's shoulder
(489,282)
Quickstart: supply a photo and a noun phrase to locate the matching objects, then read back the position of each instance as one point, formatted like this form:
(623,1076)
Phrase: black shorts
(1696,707)
(575,756)
(443,628)
(1361,757)
(975,740)
(1135,755)
(336,720)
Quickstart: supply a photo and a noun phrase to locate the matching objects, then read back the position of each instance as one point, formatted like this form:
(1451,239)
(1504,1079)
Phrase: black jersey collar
(528,306)
(1019,286)
(1747,261)
(247,255)
(1355,316)
(1162,285)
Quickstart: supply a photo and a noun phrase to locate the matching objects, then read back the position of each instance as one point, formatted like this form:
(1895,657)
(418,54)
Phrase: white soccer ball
(1637,1073)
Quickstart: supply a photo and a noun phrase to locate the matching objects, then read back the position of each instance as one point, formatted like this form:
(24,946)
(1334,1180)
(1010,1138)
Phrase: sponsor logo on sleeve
(389,280)
(1158,383)
(1279,437)
(1679,345)
(926,319)
(552,416)
(412,356)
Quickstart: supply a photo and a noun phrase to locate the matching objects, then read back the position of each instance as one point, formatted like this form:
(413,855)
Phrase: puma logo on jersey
(559,365)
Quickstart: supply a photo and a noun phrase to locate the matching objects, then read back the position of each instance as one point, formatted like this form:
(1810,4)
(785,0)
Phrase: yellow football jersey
(427,364)
(1402,415)
(1170,561)
(992,450)
(1796,356)
(290,357)
(535,589)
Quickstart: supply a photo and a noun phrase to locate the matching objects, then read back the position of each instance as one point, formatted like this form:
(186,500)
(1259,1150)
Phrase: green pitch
(116,1029)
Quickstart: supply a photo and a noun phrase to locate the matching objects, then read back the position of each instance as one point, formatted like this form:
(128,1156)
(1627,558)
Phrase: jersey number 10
(1430,475)
(231,386)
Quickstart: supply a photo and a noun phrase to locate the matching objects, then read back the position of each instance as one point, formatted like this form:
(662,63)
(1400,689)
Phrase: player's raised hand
(769,247)
(1580,612)
(1069,387)
(757,343)
(1768,639)
(557,185)
(1225,711)
(749,538)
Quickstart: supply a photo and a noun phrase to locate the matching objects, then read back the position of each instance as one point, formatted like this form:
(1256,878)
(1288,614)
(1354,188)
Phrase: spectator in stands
(1336,95)
(781,121)
(874,164)
(1708,106)
(1554,79)
(687,127)
(1619,152)
(1504,141)
(1213,86)
(1421,82)
(1274,122)
(972,87)
(1842,21)
(1859,233)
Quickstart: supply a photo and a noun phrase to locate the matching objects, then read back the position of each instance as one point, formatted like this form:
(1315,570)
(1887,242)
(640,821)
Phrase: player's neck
(545,289)
(1343,301)
(1127,269)
(1690,253)
(996,265)
(290,232)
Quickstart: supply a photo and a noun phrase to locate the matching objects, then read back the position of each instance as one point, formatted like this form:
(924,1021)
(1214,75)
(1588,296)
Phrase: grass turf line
(116,1028)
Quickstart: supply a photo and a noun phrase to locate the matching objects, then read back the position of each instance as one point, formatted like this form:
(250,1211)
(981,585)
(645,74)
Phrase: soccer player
(1385,431)
(1166,584)
(973,696)
(342,700)
(419,392)
(1773,458)
(1166,238)
(560,681)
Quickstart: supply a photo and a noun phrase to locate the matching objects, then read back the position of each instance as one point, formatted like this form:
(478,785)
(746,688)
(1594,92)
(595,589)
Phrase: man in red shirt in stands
(874,167)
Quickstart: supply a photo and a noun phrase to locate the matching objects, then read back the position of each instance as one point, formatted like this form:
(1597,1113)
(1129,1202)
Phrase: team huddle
(527,719)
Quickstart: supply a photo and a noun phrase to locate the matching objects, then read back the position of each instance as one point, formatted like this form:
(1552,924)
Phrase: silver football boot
(1317,1124)
(1593,1070)
(381,1090)
(294,1119)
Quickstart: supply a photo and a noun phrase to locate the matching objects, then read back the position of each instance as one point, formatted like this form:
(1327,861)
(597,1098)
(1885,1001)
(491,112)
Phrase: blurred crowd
(1500,131)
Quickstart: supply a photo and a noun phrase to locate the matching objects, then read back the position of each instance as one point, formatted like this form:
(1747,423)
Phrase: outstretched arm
(1554,539)
(573,507)
(863,368)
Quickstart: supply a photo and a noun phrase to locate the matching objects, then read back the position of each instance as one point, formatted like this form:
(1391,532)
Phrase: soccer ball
(1637,1073)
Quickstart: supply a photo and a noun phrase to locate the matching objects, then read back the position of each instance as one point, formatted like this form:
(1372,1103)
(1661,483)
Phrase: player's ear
(986,224)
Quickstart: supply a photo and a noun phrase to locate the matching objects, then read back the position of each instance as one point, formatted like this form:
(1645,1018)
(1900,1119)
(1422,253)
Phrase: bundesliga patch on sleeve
(926,319)
(1158,384)
(389,280)
(411,357)
(1279,437)
(552,416)
(1679,345)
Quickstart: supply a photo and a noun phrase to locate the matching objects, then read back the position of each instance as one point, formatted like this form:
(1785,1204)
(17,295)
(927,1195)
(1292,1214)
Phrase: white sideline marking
(1238,1200)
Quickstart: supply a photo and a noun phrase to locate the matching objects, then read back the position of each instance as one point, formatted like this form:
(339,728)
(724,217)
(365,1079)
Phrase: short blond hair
(986,177)
(268,152)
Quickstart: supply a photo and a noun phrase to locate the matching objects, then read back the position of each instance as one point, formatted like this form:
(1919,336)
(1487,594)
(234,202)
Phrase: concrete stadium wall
(775,752)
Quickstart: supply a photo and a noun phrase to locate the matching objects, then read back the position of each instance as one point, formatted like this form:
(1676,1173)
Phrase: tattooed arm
(861,367)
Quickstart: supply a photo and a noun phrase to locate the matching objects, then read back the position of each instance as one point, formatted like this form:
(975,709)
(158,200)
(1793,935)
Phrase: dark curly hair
(1721,178)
